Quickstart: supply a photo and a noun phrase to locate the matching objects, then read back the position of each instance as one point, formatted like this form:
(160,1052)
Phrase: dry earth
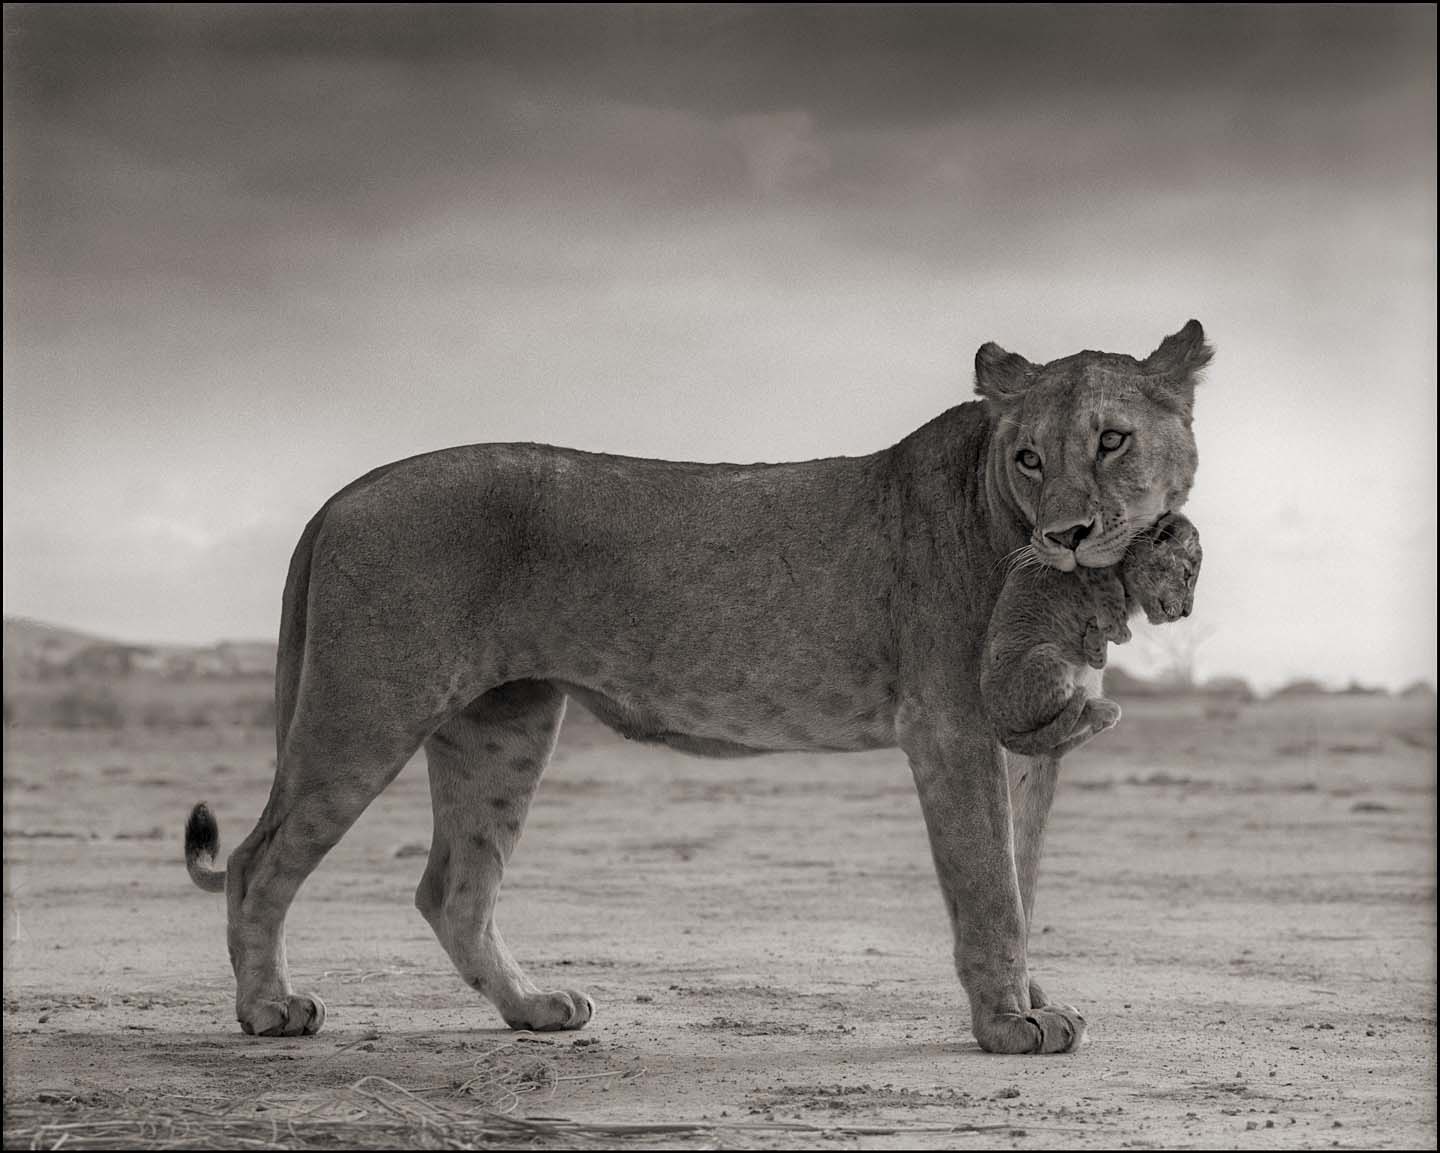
(1242,903)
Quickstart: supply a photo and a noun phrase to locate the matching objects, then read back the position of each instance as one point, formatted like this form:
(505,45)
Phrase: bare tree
(1171,653)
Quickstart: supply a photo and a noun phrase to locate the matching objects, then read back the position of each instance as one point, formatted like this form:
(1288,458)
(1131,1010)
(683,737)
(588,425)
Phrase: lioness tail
(202,842)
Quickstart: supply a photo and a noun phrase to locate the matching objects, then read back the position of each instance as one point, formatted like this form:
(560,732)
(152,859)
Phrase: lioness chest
(720,609)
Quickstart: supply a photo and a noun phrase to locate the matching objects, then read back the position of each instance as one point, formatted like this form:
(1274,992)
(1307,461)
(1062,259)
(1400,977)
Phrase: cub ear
(1001,376)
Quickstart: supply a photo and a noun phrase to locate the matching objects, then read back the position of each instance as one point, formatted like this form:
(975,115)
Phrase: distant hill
(1121,683)
(33,645)
(62,678)
(36,651)
(1301,687)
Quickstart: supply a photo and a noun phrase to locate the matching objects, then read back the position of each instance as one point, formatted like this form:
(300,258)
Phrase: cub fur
(1050,631)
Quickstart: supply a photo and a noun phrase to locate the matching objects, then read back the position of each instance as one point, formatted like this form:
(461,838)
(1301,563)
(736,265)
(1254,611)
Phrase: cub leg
(960,775)
(485,764)
(1035,701)
(1107,602)
(329,770)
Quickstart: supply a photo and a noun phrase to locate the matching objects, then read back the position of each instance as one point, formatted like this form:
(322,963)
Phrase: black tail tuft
(202,832)
(202,842)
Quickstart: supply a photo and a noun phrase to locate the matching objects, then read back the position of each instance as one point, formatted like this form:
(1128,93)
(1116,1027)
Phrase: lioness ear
(1001,376)
(1174,367)
(1181,355)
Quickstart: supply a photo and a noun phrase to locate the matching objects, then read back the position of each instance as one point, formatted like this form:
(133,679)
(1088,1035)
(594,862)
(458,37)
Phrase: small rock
(410,849)
(1007,1092)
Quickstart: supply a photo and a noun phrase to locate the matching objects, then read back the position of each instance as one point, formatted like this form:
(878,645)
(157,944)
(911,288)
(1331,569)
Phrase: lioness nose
(1071,536)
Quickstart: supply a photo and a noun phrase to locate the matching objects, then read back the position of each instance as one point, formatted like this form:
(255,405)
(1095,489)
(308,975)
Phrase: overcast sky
(250,253)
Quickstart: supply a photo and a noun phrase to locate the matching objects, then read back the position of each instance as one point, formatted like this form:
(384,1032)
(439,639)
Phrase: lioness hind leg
(323,783)
(485,764)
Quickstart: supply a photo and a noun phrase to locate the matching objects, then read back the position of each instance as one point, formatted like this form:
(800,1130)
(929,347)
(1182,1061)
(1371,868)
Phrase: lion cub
(1048,627)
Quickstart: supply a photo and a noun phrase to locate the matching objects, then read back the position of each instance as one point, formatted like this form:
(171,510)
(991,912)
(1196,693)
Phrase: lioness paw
(298,1015)
(1061,1028)
(1055,1028)
(547,1012)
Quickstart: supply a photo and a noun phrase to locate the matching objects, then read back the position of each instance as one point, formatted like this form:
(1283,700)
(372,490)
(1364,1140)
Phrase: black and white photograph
(719,576)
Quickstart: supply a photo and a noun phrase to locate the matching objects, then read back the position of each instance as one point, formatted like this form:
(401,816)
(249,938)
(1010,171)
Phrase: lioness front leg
(1032,792)
(485,764)
(960,774)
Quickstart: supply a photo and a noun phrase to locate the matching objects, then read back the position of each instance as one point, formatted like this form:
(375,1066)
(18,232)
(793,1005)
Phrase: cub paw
(1094,644)
(298,1015)
(547,1012)
(1100,714)
(1107,596)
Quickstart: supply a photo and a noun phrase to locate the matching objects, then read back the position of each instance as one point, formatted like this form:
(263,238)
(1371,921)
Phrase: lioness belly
(730,725)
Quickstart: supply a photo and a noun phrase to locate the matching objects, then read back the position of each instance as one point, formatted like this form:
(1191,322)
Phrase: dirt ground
(1240,900)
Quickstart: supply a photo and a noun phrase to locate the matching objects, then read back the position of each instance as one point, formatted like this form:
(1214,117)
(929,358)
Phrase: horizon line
(1329,685)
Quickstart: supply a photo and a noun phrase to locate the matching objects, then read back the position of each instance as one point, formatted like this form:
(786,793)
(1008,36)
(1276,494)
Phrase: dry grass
(474,1111)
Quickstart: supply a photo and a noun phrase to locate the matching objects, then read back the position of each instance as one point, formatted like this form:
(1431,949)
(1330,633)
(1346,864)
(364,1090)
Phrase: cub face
(1162,567)
(1096,447)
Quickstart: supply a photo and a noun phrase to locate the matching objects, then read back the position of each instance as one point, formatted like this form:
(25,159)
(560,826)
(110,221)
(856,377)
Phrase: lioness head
(1094,448)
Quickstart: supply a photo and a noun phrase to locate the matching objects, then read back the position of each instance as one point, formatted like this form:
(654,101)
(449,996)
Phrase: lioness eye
(1029,459)
(1110,440)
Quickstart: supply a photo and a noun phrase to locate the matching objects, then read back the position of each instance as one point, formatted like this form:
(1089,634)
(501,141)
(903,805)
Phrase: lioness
(1049,629)
(456,599)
